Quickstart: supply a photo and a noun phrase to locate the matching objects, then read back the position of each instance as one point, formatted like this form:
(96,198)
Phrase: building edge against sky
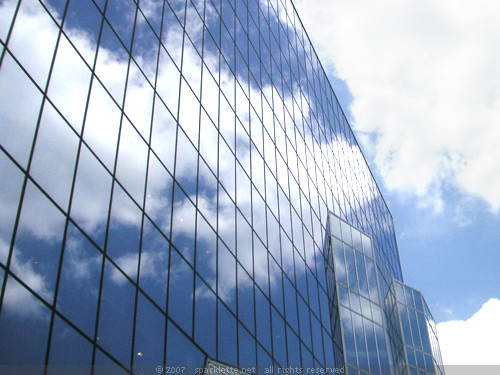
(178,181)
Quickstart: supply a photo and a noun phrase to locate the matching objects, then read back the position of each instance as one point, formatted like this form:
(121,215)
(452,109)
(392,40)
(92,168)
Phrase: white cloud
(425,81)
(475,341)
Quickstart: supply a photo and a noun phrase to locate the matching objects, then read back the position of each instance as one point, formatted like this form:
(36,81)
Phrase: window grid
(290,60)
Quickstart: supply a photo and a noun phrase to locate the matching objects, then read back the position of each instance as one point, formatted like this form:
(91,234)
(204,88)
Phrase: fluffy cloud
(475,341)
(425,82)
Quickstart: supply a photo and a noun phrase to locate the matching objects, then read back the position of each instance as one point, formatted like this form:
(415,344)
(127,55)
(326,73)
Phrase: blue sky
(420,87)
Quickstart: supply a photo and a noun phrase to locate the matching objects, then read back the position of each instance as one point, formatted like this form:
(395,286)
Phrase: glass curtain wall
(412,332)
(167,169)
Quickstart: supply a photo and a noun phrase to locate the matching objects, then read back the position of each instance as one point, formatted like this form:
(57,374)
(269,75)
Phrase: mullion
(174,186)
(112,189)
(202,68)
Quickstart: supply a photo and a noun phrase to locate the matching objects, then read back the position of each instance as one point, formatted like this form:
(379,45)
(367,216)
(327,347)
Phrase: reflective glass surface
(168,169)
(412,331)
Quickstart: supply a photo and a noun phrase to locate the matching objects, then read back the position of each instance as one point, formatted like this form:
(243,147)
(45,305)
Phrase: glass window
(149,334)
(115,330)
(409,297)
(70,80)
(153,260)
(406,324)
(38,243)
(115,12)
(163,138)
(68,348)
(210,91)
(205,318)
(10,191)
(276,285)
(206,256)
(27,320)
(244,243)
(279,338)
(102,124)
(293,347)
(183,224)
(414,327)
(426,346)
(181,351)
(260,259)
(360,340)
(351,268)
(124,234)
(372,346)
(312,283)
(246,344)
(132,162)
(146,43)
(381,345)
(186,164)
(263,359)
(227,350)
(356,239)
(305,322)
(158,194)
(106,366)
(180,292)
(346,233)
(377,313)
(54,158)
(363,282)
(340,269)
(273,231)
(365,308)
(31,18)
(189,112)
(317,339)
(79,281)
(410,354)
(371,275)
(349,345)
(226,274)
(243,193)
(344,296)
(400,296)
(417,297)
(291,304)
(246,299)
(226,219)
(355,303)
(367,245)
(93,184)
(264,321)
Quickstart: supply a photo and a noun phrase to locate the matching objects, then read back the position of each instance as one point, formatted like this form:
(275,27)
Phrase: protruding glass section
(362,323)
(412,332)
(356,307)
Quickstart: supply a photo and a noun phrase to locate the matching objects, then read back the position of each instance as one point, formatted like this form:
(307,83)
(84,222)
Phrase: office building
(171,171)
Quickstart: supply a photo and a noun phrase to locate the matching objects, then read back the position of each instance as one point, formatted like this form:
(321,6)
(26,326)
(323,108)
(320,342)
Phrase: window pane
(27,319)
(79,283)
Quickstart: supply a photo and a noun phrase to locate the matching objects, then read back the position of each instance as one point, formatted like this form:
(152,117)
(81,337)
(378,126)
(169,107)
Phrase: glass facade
(412,332)
(356,304)
(377,329)
(168,169)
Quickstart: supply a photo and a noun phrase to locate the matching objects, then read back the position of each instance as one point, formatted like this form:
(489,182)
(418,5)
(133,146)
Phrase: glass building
(180,190)
(366,310)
